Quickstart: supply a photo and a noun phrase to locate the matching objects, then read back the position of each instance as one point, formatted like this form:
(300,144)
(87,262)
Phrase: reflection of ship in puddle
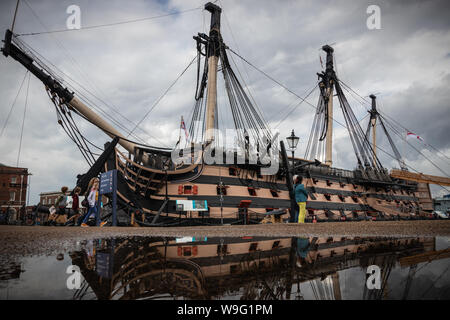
(245,268)
(10,269)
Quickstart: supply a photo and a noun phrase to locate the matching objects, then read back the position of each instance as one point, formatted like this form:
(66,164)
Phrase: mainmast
(327,84)
(373,122)
(213,53)
(375,119)
(321,145)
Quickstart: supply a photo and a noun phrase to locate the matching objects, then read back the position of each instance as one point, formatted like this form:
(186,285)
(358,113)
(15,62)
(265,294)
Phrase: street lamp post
(29,188)
(292,141)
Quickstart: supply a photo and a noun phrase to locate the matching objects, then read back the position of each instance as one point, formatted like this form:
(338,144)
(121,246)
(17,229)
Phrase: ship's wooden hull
(248,196)
(209,268)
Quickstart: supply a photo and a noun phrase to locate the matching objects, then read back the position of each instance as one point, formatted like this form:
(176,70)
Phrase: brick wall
(12,181)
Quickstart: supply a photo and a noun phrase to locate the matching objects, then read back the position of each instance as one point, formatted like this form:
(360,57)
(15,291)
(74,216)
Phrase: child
(92,199)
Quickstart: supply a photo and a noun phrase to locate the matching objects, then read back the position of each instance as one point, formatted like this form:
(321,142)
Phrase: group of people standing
(75,216)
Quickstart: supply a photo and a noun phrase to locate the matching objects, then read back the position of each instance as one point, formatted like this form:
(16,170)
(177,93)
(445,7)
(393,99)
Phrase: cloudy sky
(129,66)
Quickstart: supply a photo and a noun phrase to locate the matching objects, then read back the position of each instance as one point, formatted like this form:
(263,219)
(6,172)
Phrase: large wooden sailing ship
(249,268)
(158,190)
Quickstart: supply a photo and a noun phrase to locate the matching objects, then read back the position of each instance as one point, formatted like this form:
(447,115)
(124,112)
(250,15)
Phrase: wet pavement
(227,263)
(24,240)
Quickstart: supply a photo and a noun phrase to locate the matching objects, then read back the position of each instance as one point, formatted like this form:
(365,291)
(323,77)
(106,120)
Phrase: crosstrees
(320,139)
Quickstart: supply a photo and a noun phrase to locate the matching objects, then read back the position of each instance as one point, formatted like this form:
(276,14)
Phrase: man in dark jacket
(300,197)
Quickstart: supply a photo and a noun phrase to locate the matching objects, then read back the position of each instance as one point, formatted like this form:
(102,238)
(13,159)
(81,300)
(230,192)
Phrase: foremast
(326,86)
(373,123)
(213,53)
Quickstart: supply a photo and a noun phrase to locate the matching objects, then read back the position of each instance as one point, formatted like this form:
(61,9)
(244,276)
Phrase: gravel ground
(24,241)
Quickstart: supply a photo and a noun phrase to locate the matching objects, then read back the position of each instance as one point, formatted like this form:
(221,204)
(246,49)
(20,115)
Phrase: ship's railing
(132,164)
(329,171)
(126,168)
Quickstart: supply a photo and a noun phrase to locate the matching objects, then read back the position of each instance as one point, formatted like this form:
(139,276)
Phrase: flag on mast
(413,135)
(183,126)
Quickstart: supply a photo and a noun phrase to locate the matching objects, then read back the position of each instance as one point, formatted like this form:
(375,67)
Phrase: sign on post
(108,184)
(191,205)
(105,261)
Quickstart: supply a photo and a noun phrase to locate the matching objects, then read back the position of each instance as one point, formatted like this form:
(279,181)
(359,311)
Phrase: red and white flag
(413,135)
(183,126)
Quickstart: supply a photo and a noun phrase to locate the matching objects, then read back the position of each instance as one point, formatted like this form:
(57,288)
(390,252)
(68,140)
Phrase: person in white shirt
(92,199)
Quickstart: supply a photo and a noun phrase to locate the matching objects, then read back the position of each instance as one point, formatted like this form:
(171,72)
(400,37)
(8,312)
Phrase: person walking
(59,217)
(92,200)
(61,202)
(301,195)
(75,206)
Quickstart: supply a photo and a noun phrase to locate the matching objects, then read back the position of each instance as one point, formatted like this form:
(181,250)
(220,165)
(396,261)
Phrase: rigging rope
(295,107)
(15,15)
(14,103)
(427,144)
(75,84)
(271,78)
(110,24)
(235,54)
(163,95)
(125,139)
(245,115)
(68,129)
(418,151)
(338,122)
(401,137)
(393,120)
(23,121)
(242,62)
(77,67)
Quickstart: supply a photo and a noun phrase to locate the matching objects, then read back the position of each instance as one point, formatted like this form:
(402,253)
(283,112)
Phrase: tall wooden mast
(328,81)
(213,60)
(373,123)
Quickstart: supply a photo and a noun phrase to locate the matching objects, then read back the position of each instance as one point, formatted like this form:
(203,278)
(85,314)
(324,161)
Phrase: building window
(232,171)
(12,196)
(251,191)
(44,202)
(13,179)
(187,189)
(234,268)
(187,252)
(222,249)
(274,193)
(221,190)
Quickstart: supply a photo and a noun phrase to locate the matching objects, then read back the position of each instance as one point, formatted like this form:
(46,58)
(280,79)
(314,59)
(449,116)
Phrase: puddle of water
(253,268)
